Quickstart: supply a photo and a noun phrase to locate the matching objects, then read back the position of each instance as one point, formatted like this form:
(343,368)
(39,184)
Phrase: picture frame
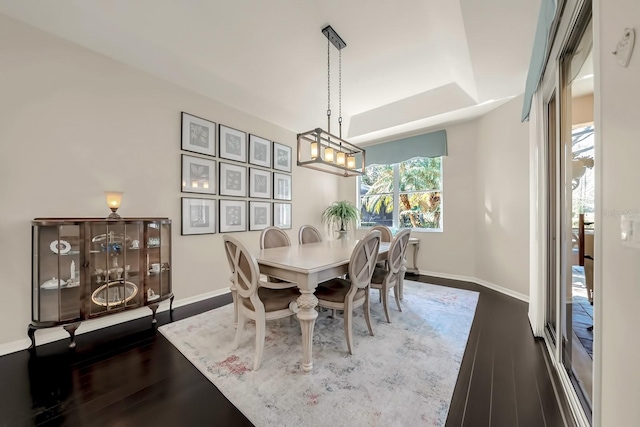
(281,157)
(282,215)
(259,215)
(198,175)
(198,216)
(232,144)
(260,183)
(233,180)
(233,216)
(198,135)
(281,186)
(259,151)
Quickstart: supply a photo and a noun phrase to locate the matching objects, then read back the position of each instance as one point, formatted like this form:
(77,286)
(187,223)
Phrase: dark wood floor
(129,375)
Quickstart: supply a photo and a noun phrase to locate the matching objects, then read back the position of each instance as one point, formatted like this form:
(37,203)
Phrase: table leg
(307,315)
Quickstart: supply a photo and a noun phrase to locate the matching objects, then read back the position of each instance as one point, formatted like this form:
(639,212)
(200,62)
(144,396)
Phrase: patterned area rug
(402,376)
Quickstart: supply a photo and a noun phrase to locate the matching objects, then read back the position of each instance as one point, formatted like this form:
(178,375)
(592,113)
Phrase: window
(403,195)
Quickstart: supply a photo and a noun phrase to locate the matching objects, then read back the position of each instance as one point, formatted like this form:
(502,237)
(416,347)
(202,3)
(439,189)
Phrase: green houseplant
(339,216)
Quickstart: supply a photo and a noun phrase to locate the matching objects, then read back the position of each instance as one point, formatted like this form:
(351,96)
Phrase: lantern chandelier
(319,149)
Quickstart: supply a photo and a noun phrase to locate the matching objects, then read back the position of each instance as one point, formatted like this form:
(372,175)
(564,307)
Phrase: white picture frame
(198,216)
(259,215)
(259,151)
(281,157)
(282,215)
(233,180)
(198,135)
(260,183)
(281,186)
(233,216)
(198,175)
(232,144)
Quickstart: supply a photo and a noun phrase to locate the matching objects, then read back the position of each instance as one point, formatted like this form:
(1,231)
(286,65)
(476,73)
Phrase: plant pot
(343,234)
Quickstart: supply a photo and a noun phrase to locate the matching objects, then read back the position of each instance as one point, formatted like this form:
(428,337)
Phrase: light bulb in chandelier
(340,158)
(329,154)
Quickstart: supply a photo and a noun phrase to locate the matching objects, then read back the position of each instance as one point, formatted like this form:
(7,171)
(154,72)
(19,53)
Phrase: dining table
(308,265)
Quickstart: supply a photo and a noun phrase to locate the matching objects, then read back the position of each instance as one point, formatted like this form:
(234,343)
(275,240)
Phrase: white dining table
(307,265)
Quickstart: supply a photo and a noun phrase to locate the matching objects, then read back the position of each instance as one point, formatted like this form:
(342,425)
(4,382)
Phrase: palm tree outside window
(403,195)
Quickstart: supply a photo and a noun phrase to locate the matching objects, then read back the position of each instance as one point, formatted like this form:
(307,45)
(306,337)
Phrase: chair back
(385,232)
(309,234)
(397,250)
(363,259)
(273,237)
(244,267)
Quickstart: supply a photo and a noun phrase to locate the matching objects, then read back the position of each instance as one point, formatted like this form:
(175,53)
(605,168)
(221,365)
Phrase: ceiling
(408,66)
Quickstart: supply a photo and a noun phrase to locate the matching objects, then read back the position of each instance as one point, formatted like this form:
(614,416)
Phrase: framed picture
(233,144)
(233,180)
(198,135)
(259,215)
(259,183)
(233,216)
(282,215)
(198,175)
(281,186)
(281,157)
(198,216)
(259,151)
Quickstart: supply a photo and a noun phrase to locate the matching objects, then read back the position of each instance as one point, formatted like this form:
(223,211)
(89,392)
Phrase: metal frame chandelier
(319,149)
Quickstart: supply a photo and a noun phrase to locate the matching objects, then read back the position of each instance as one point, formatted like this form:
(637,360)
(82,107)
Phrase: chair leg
(261,325)
(234,296)
(385,303)
(239,328)
(367,313)
(348,327)
(396,293)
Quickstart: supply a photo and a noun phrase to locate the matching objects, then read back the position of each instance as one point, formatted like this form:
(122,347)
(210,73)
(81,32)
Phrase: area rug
(402,376)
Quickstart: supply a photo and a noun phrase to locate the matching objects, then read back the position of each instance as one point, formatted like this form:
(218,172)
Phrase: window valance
(433,144)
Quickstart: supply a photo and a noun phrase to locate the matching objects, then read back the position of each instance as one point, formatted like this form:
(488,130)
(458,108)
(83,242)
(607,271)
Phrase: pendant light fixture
(319,149)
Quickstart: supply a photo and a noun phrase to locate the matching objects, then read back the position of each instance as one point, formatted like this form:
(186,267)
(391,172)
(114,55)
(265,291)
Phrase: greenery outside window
(403,195)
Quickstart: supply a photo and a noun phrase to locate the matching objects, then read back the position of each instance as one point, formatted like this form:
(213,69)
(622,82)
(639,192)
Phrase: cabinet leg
(153,308)
(71,329)
(31,332)
(171,303)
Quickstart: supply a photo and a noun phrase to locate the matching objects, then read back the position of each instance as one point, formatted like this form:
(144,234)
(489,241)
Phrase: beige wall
(502,190)
(73,124)
(582,110)
(617,275)
(452,251)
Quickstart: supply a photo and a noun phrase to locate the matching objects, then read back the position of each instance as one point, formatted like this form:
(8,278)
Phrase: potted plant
(339,216)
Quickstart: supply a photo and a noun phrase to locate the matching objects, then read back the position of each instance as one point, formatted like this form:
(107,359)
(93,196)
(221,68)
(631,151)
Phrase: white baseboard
(44,336)
(501,289)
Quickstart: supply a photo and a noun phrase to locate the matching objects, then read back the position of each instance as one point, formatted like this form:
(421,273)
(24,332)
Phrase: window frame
(396,199)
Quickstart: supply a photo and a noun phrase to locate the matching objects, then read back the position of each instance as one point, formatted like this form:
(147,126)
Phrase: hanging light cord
(340,92)
(328,87)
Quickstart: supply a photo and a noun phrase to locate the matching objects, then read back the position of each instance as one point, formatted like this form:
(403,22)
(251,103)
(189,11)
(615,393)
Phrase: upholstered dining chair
(346,295)
(393,275)
(274,237)
(385,233)
(251,298)
(385,236)
(309,234)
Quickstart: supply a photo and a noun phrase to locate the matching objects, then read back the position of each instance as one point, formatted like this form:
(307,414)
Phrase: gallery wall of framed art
(248,175)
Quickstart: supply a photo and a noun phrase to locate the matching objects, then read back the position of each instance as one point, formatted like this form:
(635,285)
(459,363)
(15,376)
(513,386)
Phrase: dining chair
(309,234)
(274,237)
(346,295)
(393,275)
(252,299)
(385,233)
(385,236)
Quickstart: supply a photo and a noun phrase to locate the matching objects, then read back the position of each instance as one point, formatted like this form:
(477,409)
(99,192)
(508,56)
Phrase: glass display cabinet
(84,268)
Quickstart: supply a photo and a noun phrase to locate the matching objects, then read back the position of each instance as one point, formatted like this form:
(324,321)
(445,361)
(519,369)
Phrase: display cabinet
(85,268)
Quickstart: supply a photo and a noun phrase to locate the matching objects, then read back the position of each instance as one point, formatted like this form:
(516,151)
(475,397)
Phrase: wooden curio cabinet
(85,268)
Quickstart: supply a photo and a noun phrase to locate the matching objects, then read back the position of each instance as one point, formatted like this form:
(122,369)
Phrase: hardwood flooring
(129,375)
